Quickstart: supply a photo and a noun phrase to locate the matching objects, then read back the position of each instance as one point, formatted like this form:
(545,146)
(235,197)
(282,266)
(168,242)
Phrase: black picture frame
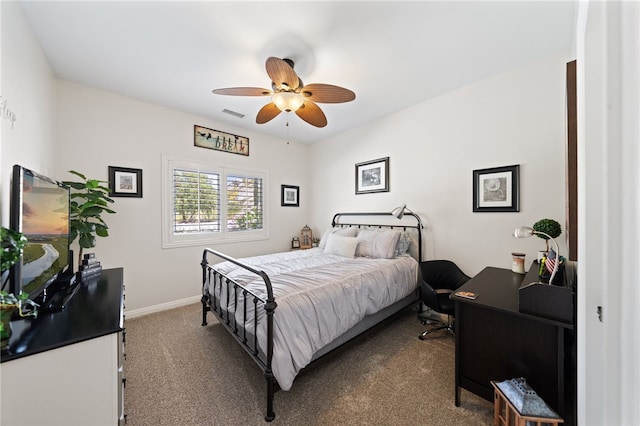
(497,189)
(125,182)
(372,176)
(289,196)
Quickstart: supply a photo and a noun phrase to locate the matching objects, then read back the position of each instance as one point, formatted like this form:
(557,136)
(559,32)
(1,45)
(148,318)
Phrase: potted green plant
(549,227)
(12,244)
(89,200)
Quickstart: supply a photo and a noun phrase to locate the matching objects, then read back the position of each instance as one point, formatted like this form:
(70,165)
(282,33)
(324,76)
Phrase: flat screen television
(40,210)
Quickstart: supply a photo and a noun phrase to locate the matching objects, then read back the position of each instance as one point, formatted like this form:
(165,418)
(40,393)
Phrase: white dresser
(67,367)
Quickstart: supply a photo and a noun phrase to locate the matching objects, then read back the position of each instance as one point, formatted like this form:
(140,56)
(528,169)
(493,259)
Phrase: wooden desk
(494,341)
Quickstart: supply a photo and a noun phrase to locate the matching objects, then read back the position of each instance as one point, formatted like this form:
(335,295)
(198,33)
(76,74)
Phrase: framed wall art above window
(372,176)
(220,141)
(496,189)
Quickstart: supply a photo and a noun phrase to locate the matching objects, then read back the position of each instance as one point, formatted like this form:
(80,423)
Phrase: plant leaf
(75,185)
(87,241)
(78,174)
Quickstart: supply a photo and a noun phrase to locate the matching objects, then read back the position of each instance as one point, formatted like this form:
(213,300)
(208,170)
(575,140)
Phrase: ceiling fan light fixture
(287,101)
(290,94)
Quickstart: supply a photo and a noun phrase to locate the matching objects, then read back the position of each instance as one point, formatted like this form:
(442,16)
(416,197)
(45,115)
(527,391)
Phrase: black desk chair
(440,278)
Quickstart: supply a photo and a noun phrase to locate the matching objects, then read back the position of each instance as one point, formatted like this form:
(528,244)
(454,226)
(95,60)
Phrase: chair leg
(448,326)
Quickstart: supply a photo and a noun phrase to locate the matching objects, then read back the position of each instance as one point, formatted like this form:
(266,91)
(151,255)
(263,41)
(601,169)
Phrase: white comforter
(319,297)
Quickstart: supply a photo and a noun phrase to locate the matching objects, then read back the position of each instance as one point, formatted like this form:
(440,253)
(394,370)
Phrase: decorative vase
(6,312)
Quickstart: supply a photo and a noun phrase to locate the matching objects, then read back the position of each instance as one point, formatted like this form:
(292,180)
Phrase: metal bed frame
(236,293)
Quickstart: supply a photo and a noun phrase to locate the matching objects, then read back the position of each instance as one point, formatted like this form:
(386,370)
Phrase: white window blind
(204,203)
(196,204)
(244,203)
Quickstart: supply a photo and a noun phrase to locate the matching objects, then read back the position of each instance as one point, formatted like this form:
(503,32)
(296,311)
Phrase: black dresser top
(95,310)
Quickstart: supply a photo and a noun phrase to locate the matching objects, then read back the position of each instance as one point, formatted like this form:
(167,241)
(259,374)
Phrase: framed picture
(125,182)
(290,196)
(372,176)
(496,189)
(220,141)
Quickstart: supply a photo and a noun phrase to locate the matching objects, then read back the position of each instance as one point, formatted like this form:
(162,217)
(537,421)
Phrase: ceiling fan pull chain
(287,128)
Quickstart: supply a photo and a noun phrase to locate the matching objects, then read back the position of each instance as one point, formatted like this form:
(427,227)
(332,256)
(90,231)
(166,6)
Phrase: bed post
(269,308)
(203,299)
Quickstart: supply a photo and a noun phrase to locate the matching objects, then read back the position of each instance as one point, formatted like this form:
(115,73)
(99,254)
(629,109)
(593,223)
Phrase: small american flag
(551,261)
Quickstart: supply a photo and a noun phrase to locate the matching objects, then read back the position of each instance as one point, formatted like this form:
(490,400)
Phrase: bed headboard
(410,220)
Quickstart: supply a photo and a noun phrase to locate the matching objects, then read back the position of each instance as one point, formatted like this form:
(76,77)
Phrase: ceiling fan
(288,93)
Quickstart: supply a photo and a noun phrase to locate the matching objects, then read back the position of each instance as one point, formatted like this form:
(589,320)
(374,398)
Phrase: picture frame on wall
(497,189)
(372,176)
(125,182)
(290,196)
(217,140)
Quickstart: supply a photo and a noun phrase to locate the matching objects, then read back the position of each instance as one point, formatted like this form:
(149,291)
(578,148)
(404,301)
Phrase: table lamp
(526,232)
(399,212)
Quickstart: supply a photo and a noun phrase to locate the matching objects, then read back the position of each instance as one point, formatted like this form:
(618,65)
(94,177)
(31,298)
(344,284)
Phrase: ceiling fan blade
(327,93)
(267,113)
(282,74)
(312,114)
(243,91)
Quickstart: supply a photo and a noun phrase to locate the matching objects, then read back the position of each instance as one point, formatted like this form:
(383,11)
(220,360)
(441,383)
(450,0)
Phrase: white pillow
(340,245)
(377,244)
(345,232)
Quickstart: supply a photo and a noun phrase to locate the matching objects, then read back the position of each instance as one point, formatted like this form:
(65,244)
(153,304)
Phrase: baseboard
(162,307)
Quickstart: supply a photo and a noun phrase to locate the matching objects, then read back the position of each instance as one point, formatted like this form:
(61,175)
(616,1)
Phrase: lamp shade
(399,211)
(287,101)
(523,232)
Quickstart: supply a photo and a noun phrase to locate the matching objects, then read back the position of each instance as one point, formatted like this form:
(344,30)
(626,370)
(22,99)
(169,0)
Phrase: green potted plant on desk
(12,244)
(550,227)
(89,200)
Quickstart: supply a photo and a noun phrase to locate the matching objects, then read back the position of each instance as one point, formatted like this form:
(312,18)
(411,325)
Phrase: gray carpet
(180,373)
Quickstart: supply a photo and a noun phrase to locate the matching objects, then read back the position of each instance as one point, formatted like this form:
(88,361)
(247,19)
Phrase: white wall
(28,89)
(97,129)
(609,213)
(513,118)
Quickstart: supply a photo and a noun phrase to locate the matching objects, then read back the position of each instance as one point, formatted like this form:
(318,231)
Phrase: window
(244,203)
(196,201)
(205,204)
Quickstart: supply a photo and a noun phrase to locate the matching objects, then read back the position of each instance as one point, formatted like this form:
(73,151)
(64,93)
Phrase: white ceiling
(392,54)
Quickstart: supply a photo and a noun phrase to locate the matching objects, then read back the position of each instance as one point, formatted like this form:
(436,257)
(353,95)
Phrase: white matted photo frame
(497,189)
(125,182)
(290,196)
(372,176)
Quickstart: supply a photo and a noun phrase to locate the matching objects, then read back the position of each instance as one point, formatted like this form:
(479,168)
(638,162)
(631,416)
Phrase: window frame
(171,239)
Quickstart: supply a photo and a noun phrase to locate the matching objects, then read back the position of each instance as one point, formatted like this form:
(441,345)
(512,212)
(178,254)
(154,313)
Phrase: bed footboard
(224,309)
